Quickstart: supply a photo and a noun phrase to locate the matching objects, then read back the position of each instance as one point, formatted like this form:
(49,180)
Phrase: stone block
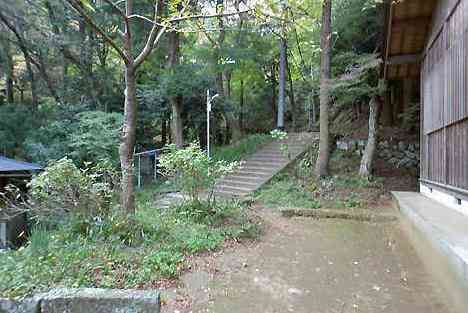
(29,305)
(86,300)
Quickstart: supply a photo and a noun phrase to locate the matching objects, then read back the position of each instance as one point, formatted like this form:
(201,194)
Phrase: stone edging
(360,215)
(86,300)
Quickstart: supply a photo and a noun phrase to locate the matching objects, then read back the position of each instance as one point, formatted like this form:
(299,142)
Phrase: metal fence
(146,165)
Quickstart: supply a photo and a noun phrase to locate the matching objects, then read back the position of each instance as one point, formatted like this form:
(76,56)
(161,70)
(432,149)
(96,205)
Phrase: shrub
(96,136)
(193,170)
(287,192)
(84,136)
(64,188)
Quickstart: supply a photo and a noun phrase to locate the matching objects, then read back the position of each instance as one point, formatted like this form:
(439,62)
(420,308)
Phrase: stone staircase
(260,167)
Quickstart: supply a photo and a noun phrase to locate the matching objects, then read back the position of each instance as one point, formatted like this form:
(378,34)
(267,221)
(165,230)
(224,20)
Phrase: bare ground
(306,265)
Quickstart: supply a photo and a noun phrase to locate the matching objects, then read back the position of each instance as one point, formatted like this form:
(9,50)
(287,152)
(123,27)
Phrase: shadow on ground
(306,265)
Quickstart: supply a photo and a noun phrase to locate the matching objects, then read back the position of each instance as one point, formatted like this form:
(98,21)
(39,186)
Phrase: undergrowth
(121,252)
(286,191)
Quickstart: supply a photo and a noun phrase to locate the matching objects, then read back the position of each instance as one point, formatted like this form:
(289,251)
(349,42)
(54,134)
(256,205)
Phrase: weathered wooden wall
(444,149)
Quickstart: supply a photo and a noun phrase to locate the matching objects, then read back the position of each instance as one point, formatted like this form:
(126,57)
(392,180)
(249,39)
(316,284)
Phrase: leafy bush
(166,262)
(193,170)
(84,136)
(287,192)
(96,137)
(64,188)
(280,135)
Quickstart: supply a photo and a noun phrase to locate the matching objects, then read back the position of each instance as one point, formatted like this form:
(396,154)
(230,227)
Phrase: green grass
(120,252)
(240,150)
(286,192)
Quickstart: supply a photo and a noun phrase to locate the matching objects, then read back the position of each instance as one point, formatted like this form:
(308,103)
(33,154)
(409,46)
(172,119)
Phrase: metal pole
(208,109)
(155,177)
(314,114)
(139,171)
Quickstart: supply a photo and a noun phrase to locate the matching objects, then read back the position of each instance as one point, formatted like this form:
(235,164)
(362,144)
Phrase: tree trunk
(10,94)
(27,57)
(282,85)
(291,97)
(241,105)
(127,144)
(9,72)
(32,80)
(163,132)
(176,100)
(365,169)
(321,167)
(387,114)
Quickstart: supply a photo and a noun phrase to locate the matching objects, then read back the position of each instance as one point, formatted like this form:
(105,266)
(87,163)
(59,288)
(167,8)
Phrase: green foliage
(241,149)
(96,136)
(64,188)
(287,192)
(356,181)
(280,135)
(410,117)
(97,253)
(16,122)
(166,262)
(360,80)
(192,170)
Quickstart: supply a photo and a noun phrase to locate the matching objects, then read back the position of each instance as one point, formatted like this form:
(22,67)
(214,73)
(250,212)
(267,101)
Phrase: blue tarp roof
(10,165)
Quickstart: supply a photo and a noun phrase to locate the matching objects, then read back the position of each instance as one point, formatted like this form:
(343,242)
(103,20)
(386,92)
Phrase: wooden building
(427,43)
(12,226)
(13,170)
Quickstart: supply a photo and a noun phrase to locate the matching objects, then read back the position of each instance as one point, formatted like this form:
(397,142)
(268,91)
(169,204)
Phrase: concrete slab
(440,235)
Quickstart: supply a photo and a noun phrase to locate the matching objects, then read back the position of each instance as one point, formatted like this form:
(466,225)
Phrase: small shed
(13,170)
(18,173)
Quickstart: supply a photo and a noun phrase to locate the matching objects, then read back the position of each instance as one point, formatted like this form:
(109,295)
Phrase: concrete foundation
(440,236)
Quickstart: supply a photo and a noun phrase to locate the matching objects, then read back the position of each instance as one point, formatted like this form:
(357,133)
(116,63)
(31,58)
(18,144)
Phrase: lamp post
(209,99)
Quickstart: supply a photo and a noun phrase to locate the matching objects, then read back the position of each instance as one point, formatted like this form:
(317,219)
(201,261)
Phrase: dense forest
(79,77)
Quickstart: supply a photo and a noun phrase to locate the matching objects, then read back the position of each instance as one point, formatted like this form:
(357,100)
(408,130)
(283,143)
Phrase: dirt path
(304,265)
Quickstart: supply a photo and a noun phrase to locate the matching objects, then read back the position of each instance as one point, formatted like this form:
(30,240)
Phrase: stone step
(240,184)
(233,189)
(245,178)
(262,170)
(262,164)
(274,156)
(251,172)
(229,194)
(270,159)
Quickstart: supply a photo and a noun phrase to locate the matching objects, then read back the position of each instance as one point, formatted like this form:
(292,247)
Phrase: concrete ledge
(86,300)
(357,215)
(440,236)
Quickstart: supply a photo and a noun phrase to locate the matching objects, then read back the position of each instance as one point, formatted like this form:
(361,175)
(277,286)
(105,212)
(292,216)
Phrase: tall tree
(8,67)
(282,70)
(126,52)
(282,84)
(365,170)
(132,60)
(22,44)
(175,100)
(321,167)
